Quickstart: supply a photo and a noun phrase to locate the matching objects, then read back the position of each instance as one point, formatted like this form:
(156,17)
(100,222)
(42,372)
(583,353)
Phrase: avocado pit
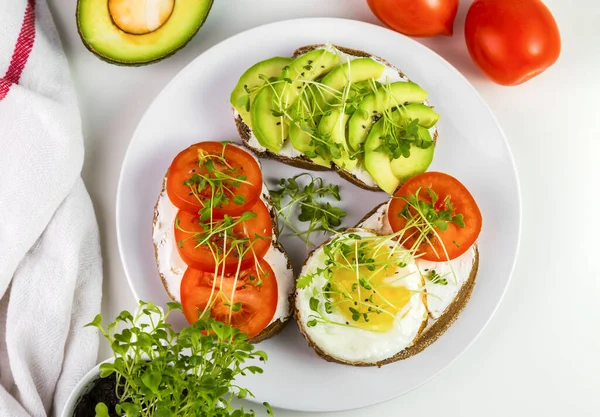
(139,17)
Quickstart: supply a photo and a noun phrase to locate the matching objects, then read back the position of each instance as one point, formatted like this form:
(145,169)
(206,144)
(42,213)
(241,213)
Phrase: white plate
(195,107)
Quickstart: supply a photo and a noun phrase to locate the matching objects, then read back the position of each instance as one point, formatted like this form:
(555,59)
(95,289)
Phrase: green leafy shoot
(436,278)
(304,197)
(161,372)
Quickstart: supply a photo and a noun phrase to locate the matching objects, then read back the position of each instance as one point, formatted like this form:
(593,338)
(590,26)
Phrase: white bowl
(81,389)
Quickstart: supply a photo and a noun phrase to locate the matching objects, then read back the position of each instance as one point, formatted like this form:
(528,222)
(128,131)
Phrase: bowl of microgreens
(158,372)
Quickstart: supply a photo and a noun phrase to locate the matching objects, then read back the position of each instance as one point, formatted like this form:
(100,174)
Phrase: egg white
(456,272)
(171,267)
(355,345)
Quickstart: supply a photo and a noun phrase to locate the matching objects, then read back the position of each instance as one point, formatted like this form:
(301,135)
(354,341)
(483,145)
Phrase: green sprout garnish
(436,278)
(160,372)
(307,202)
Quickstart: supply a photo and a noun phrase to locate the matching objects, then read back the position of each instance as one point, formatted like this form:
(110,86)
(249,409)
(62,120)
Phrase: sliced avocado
(333,127)
(137,33)
(240,99)
(378,164)
(307,67)
(426,115)
(301,139)
(270,130)
(418,162)
(284,94)
(389,174)
(382,100)
(351,72)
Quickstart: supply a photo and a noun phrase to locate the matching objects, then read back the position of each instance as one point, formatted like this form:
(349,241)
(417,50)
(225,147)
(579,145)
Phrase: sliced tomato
(206,171)
(202,250)
(247,302)
(455,240)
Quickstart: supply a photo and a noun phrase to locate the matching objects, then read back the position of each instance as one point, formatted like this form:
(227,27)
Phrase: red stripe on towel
(21,51)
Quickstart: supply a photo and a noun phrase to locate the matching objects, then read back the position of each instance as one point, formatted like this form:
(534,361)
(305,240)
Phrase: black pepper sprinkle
(355,303)
(370,309)
(347,323)
(364,127)
(278,123)
(309,62)
(322,66)
(302,74)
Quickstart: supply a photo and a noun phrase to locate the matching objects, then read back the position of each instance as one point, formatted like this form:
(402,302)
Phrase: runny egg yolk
(369,299)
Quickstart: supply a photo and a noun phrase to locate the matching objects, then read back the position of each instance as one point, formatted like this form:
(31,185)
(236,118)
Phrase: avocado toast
(334,108)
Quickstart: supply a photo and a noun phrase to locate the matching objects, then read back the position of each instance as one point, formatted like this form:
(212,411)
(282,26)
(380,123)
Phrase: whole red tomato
(417,17)
(512,40)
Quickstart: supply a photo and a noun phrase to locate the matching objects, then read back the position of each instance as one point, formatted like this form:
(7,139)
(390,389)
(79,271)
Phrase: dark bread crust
(425,337)
(304,162)
(278,325)
(273,328)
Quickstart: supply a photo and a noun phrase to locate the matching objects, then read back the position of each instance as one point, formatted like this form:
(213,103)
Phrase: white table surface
(540,354)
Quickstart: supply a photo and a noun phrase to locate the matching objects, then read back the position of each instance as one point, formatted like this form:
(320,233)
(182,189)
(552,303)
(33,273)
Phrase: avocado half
(139,32)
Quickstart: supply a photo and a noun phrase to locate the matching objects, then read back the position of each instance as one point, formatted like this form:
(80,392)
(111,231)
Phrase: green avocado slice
(101,35)
(250,80)
(270,130)
(284,94)
(293,78)
(378,102)
(389,174)
(332,127)
(418,162)
(351,72)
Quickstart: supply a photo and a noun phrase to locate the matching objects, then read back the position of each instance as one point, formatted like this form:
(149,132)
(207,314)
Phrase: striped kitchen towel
(50,264)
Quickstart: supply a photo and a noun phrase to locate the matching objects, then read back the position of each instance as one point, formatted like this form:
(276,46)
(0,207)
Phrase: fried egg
(358,315)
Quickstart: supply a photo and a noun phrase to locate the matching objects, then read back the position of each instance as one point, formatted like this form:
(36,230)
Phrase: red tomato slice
(190,233)
(455,240)
(232,171)
(255,288)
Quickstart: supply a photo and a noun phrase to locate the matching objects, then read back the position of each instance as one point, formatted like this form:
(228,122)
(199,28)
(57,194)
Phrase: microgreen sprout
(308,203)
(160,372)
(436,278)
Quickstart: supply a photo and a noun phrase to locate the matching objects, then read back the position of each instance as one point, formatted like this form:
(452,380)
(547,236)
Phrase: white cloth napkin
(50,263)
